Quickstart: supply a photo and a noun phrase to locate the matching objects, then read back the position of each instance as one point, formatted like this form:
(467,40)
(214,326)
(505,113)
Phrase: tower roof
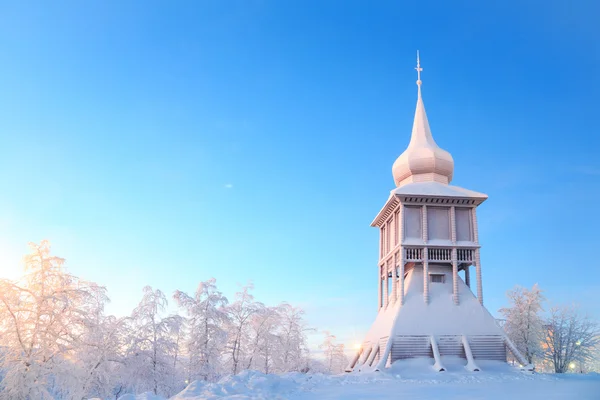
(423,160)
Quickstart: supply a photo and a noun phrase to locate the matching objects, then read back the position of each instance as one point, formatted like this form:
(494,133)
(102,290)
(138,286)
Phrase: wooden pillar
(386,297)
(394,279)
(425,259)
(424,224)
(401,252)
(477,256)
(379,300)
(453,224)
(455,277)
(425,277)
(478,273)
(475,228)
(401,278)
(467,276)
(400,223)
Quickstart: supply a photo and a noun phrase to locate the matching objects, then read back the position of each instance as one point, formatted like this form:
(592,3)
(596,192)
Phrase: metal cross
(419,69)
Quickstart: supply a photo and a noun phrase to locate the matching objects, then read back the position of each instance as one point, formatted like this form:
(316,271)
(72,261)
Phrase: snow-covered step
(382,344)
(451,346)
(411,347)
(488,347)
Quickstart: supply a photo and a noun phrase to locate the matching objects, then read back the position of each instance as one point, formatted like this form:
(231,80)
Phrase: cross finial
(419,69)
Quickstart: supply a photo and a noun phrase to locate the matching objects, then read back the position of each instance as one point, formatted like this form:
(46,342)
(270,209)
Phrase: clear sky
(165,143)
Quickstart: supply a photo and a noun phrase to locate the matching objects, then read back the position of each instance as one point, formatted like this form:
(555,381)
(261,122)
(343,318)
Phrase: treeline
(56,342)
(558,339)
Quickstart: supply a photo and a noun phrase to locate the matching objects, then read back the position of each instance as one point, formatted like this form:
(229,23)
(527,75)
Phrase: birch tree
(100,359)
(335,358)
(206,319)
(153,344)
(264,346)
(569,337)
(293,345)
(239,313)
(523,323)
(44,315)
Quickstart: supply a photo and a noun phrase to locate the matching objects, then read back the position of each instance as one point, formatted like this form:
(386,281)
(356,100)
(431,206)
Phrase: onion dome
(423,160)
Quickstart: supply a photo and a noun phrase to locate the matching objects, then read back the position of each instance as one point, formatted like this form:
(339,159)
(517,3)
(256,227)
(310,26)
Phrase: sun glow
(11,266)
(357,346)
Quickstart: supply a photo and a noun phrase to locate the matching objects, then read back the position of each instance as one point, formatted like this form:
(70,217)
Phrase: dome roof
(423,160)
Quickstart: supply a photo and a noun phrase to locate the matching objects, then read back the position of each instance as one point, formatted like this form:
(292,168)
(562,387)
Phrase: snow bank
(410,378)
(245,385)
(143,396)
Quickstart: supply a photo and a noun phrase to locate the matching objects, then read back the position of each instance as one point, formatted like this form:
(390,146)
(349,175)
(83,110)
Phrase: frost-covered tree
(264,345)
(100,358)
(569,337)
(206,335)
(45,316)
(239,313)
(335,358)
(523,321)
(293,342)
(153,345)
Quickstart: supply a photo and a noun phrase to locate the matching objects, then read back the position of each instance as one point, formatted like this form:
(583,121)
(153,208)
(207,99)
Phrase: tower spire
(419,69)
(423,160)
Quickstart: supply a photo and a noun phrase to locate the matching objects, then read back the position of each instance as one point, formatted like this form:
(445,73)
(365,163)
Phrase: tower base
(434,329)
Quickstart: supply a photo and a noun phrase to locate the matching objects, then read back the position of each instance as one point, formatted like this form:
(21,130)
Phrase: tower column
(477,256)
(401,277)
(379,302)
(453,224)
(478,273)
(467,276)
(400,253)
(475,228)
(385,285)
(425,277)
(394,278)
(454,277)
(425,258)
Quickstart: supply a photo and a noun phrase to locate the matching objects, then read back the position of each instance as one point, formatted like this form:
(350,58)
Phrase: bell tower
(428,234)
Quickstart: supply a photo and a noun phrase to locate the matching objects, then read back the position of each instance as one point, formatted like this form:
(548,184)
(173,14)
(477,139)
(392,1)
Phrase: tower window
(437,278)
(412,222)
(438,221)
(464,228)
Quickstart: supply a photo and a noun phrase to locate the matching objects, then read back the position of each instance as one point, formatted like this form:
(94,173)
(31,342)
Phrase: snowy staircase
(411,347)
(451,346)
(488,347)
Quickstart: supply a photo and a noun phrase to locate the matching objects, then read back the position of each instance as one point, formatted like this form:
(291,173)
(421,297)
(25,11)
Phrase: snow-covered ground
(413,379)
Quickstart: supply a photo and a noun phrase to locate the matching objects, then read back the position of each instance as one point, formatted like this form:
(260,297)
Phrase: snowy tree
(239,313)
(335,358)
(45,315)
(153,346)
(100,358)
(293,346)
(523,323)
(263,347)
(206,336)
(569,337)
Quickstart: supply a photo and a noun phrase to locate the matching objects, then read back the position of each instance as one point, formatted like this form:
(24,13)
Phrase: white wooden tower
(428,234)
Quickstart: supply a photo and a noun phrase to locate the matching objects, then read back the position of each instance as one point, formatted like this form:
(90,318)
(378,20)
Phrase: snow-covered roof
(436,189)
(427,190)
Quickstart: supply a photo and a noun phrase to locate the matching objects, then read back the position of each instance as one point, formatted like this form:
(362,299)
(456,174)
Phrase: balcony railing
(465,255)
(436,254)
(412,254)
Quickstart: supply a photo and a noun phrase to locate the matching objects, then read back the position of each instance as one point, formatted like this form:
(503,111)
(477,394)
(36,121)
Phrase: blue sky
(165,143)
